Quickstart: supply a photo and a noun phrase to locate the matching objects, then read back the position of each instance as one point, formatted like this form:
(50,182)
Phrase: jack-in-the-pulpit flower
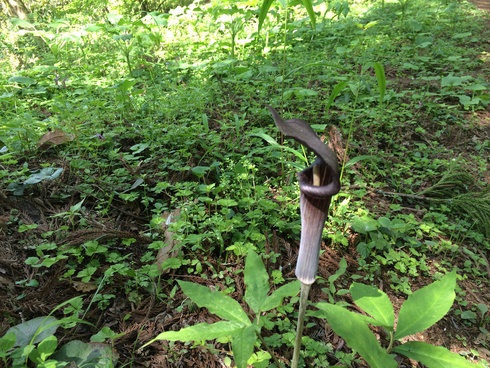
(317,183)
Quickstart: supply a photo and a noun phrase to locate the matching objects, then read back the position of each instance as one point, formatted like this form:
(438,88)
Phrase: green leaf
(201,332)
(335,92)
(356,159)
(274,143)
(256,281)
(46,348)
(380,76)
(7,342)
(89,355)
(364,224)
(34,330)
(48,173)
(352,328)
(242,345)
(275,299)
(22,80)
(264,9)
(311,13)
(200,171)
(426,306)
(433,356)
(374,302)
(340,271)
(217,303)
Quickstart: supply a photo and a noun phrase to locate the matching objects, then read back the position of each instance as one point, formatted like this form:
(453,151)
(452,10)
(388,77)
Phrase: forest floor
(148,317)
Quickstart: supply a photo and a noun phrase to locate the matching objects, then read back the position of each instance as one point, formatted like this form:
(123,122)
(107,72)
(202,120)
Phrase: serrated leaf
(256,281)
(215,302)
(433,356)
(242,345)
(352,328)
(374,302)
(201,332)
(275,299)
(426,306)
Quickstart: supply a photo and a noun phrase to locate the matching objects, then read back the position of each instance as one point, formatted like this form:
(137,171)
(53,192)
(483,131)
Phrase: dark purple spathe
(314,199)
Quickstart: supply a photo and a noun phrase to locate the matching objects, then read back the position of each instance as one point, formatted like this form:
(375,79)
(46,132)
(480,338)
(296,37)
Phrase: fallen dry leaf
(54,138)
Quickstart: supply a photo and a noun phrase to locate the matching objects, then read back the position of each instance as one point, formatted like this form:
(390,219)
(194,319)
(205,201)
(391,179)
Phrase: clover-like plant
(317,184)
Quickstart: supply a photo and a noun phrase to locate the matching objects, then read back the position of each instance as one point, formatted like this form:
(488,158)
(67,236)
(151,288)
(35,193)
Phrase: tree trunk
(15,8)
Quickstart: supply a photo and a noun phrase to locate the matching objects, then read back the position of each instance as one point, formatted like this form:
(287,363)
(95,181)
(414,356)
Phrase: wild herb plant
(34,342)
(237,327)
(421,310)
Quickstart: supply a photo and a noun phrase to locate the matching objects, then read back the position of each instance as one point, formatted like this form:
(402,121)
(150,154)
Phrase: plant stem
(305,290)
(390,346)
(279,365)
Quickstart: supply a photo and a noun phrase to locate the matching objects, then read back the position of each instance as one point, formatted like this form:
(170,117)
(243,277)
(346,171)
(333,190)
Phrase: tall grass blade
(264,9)
(335,92)
(309,8)
(381,77)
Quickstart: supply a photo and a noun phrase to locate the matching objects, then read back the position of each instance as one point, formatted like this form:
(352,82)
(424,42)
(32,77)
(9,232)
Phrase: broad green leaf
(264,9)
(22,23)
(426,306)
(48,346)
(433,356)
(48,173)
(215,302)
(44,349)
(256,281)
(242,345)
(374,302)
(89,355)
(34,330)
(351,327)
(200,171)
(452,80)
(201,332)
(275,299)
(226,202)
(380,76)
(22,80)
(7,342)
(364,224)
